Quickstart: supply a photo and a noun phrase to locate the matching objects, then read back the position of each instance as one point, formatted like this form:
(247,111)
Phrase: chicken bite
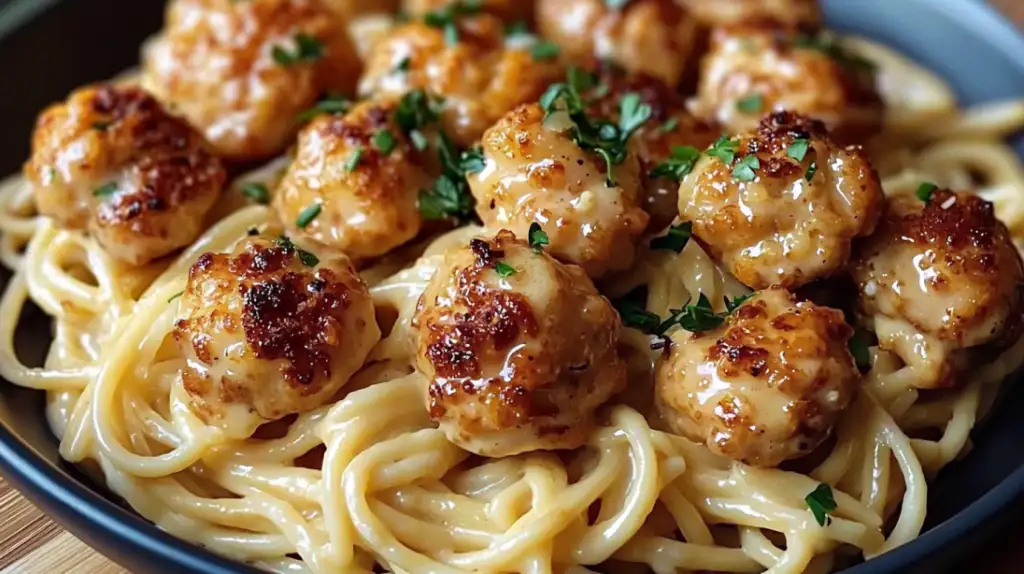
(112,161)
(477,78)
(536,174)
(940,283)
(361,176)
(270,330)
(653,37)
(518,349)
(242,71)
(752,71)
(766,386)
(781,206)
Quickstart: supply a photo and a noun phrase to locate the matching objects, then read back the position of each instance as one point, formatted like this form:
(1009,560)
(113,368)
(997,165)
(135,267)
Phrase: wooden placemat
(32,544)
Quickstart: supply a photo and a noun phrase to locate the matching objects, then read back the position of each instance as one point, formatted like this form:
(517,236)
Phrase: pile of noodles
(368,479)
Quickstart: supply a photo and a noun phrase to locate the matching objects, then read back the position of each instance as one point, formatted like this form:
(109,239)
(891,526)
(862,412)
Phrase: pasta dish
(519,287)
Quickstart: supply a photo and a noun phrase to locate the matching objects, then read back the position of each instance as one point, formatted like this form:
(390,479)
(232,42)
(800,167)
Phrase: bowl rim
(90,516)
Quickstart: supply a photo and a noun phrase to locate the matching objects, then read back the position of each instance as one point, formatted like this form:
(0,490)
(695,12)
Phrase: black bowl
(48,47)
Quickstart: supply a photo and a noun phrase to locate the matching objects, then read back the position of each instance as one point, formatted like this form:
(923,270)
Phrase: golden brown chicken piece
(351,8)
(480,76)
(654,37)
(751,71)
(242,71)
(779,13)
(519,349)
(535,173)
(670,126)
(361,175)
(507,10)
(781,206)
(940,282)
(764,387)
(269,330)
(112,161)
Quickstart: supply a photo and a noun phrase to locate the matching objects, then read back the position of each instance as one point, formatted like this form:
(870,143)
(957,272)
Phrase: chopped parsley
(307,49)
(446,18)
(504,269)
(537,237)
(308,215)
(544,51)
(675,239)
(473,160)
(449,197)
(517,28)
(751,104)
(101,126)
(724,148)
(616,4)
(670,125)
(385,141)
(256,191)
(745,168)
(733,304)
(695,318)
(830,45)
(354,159)
(811,170)
(307,258)
(633,311)
(105,190)
(822,503)
(925,190)
(591,134)
(415,110)
(679,165)
(798,149)
(858,345)
(330,104)
(403,64)
(175,296)
(419,141)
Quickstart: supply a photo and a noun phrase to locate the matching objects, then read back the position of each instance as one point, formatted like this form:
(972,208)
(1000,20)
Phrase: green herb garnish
(473,160)
(798,149)
(105,190)
(822,503)
(633,311)
(724,148)
(925,190)
(858,345)
(446,18)
(544,51)
(537,237)
(751,104)
(330,104)
(307,49)
(403,64)
(354,159)
(670,125)
(175,296)
(675,239)
(745,168)
(732,304)
(679,165)
(811,170)
(256,191)
(384,141)
(308,215)
(504,269)
(101,126)
(307,258)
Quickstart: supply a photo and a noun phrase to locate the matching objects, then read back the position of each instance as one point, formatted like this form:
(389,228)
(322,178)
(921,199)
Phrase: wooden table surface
(31,544)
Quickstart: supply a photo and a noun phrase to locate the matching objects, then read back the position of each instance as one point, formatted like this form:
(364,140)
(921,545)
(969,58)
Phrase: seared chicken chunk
(941,281)
(268,330)
(242,71)
(535,173)
(751,71)
(507,10)
(670,127)
(785,207)
(519,349)
(112,161)
(480,77)
(764,387)
(779,13)
(361,175)
(654,37)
